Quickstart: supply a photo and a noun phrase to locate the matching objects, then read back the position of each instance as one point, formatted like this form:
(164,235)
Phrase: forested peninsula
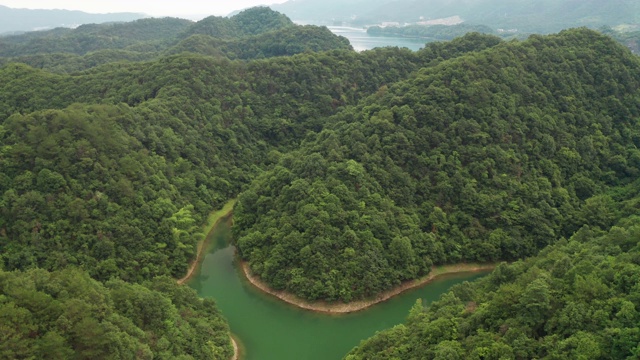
(354,172)
(491,155)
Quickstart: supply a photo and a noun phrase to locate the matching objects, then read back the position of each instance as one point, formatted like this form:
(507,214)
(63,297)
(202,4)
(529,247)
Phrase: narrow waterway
(270,329)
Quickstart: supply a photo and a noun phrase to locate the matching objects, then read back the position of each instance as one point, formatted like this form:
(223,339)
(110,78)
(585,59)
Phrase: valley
(125,148)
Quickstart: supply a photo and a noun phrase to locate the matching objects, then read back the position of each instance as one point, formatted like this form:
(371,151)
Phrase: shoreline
(213,220)
(345,308)
(236,348)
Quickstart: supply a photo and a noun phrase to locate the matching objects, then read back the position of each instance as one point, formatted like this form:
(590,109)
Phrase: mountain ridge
(539,16)
(20,20)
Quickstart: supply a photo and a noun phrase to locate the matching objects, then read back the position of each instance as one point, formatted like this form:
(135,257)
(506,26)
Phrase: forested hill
(354,171)
(92,37)
(489,156)
(253,33)
(130,172)
(114,169)
(253,21)
(107,175)
(67,315)
(577,300)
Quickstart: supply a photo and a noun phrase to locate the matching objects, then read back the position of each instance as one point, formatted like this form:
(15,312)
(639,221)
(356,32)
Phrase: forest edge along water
(345,308)
(236,348)
(217,247)
(212,221)
(322,306)
(207,228)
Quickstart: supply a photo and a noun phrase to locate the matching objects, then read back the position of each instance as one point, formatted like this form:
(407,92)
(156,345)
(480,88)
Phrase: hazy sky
(151,7)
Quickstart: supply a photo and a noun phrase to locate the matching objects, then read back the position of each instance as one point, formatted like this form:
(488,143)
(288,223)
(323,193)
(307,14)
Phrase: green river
(269,329)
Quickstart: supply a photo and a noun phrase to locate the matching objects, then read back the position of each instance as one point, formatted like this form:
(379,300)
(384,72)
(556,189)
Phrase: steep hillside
(93,37)
(284,42)
(253,21)
(67,315)
(252,34)
(111,172)
(353,172)
(488,156)
(539,16)
(119,183)
(577,300)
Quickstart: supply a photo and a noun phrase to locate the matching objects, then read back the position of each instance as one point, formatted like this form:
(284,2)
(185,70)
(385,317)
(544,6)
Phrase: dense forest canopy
(67,315)
(578,299)
(491,155)
(111,171)
(353,172)
(253,21)
(251,34)
(93,37)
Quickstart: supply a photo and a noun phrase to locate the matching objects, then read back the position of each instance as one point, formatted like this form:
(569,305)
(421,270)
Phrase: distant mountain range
(21,20)
(540,16)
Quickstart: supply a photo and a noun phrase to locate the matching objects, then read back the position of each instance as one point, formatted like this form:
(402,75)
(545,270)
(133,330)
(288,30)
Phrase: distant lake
(361,41)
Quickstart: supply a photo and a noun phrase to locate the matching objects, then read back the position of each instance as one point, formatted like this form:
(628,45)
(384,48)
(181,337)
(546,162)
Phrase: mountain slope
(66,314)
(355,171)
(487,156)
(113,170)
(253,21)
(17,20)
(577,300)
(283,42)
(93,37)
(253,33)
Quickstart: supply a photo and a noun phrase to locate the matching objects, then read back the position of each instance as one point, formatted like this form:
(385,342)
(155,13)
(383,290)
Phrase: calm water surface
(269,329)
(361,41)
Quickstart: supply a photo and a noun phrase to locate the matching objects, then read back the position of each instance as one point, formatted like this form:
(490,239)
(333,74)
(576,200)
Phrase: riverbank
(344,308)
(236,348)
(211,223)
